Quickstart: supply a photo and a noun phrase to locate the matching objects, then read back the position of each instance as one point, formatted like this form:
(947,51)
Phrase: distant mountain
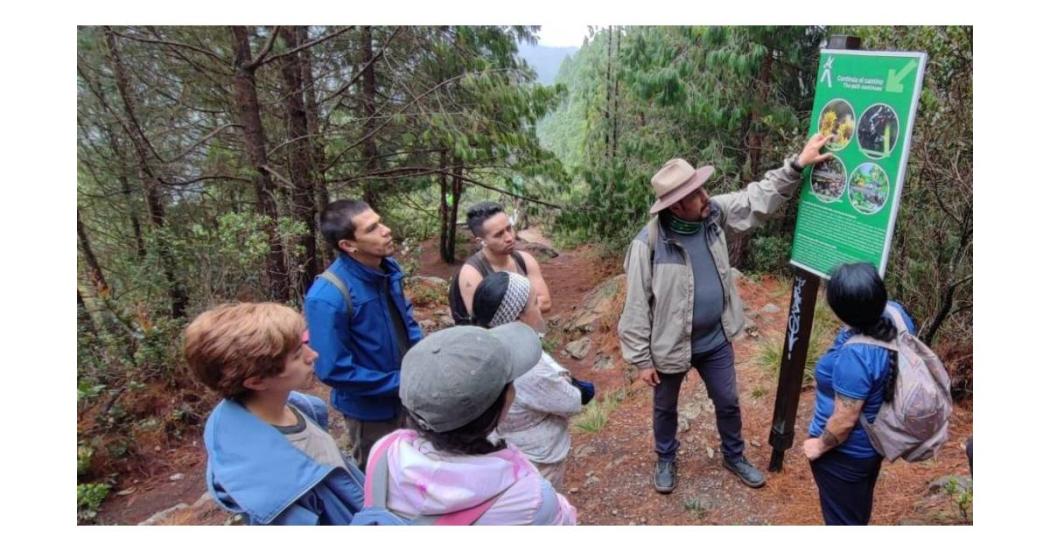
(545,60)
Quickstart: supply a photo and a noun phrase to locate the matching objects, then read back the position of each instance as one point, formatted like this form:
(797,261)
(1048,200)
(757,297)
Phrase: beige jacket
(657,315)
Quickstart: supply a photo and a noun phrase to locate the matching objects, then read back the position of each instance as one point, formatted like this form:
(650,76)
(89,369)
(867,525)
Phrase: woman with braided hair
(547,395)
(852,379)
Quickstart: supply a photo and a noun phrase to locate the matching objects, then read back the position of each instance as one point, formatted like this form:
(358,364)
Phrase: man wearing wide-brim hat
(682,308)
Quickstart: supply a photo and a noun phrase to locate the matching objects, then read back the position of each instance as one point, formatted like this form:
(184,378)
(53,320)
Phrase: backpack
(915,424)
(375,512)
(330,277)
(460,314)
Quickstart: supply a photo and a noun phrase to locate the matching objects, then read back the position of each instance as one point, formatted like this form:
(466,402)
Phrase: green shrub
(89,499)
(770,254)
(596,414)
(84,454)
(825,326)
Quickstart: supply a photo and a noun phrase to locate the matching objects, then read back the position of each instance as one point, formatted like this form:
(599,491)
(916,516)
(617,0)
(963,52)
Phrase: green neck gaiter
(683,227)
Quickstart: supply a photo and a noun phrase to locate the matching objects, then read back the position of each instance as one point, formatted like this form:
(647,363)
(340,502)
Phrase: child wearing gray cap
(456,385)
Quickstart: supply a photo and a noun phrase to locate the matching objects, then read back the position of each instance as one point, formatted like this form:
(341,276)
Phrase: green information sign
(866,101)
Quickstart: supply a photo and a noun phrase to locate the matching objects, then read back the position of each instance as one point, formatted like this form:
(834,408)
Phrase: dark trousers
(364,434)
(847,487)
(718,372)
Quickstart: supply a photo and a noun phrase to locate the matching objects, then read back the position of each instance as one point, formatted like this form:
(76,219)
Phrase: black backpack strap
(330,277)
(520,261)
(479,263)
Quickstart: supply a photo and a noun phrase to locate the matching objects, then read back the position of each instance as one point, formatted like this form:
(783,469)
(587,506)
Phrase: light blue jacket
(254,470)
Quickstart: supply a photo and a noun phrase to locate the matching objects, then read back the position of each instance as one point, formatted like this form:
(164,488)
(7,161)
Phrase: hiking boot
(746,471)
(666,476)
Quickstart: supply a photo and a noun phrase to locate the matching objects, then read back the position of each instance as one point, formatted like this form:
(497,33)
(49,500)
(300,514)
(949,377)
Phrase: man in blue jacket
(361,323)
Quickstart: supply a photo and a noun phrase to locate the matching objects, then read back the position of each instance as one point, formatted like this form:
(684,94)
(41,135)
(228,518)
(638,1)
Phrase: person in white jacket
(545,397)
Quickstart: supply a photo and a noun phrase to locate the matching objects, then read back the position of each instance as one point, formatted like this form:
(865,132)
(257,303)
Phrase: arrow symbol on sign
(895,80)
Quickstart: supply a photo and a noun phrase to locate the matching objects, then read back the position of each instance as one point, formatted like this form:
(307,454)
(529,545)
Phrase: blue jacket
(254,470)
(358,356)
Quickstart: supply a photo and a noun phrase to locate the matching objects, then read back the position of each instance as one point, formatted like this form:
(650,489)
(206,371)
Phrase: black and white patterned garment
(514,300)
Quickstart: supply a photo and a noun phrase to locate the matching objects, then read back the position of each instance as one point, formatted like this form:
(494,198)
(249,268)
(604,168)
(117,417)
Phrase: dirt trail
(608,475)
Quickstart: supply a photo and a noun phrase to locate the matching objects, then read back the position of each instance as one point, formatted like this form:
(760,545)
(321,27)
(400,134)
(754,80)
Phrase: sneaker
(746,471)
(666,476)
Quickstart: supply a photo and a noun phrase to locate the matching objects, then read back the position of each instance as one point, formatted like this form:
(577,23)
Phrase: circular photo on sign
(838,121)
(829,180)
(878,131)
(869,188)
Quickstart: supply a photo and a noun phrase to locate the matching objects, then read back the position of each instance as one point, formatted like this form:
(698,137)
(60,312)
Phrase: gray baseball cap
(452,376)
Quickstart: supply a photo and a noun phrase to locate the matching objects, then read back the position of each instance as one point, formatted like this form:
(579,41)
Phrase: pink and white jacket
(425,481)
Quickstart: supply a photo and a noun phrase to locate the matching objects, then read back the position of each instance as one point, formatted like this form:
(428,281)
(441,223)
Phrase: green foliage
(825,326)
(695,505)
(933,239)
(596,413)
(89,499)
(664,92)
(174,198)
(177,197)
(84,455)
(700,93)
(86,390)
(962,497)
(157,355)
(770,254)
(228,252)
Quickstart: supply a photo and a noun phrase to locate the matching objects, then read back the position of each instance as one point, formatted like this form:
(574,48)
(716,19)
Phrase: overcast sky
(562,35)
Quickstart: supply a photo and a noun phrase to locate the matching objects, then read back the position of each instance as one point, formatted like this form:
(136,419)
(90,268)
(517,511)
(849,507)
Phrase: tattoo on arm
(829,440)
(849,403)
(842,420)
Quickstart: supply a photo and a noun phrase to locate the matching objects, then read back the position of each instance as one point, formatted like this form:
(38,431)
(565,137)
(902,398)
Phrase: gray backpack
(915,424)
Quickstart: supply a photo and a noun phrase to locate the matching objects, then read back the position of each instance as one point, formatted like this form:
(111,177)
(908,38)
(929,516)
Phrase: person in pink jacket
(456,385)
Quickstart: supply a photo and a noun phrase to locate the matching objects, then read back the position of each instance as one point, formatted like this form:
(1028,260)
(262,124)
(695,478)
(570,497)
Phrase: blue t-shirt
(856,371)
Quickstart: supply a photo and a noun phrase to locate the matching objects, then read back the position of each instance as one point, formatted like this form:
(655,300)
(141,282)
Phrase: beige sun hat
(676,179)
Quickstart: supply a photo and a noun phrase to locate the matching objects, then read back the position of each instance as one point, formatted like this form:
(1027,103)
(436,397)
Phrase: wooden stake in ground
(796,338)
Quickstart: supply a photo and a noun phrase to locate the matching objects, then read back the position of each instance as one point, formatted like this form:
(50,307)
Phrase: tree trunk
(151,184)
(125,189)
(301,169)
(756,136)
(738,246)
(948,294)
(616,100)
(368,112)
(457,189)
(246,100)
(608,99)
(443,246)
(136,227)
(84,321)
(97,278)
(313,126)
